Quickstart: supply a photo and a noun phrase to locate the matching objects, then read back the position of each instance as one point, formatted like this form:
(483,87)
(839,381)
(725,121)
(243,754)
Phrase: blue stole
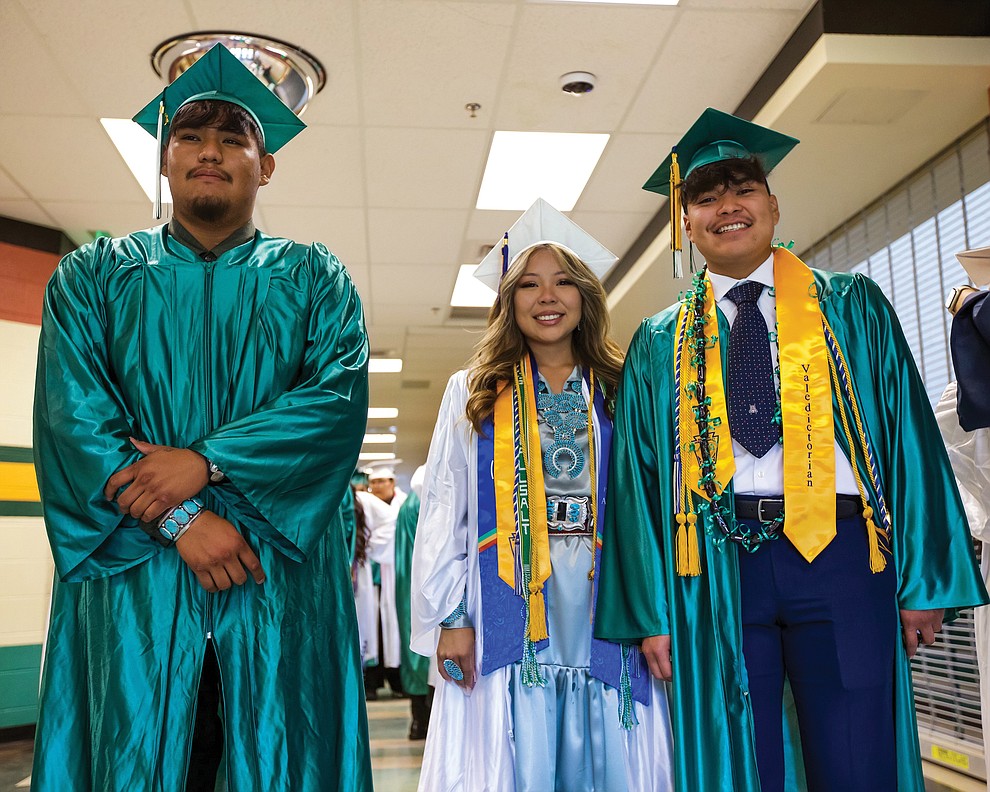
(503,613)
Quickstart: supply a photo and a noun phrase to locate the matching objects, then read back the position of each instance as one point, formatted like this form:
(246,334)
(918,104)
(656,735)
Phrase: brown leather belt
(753,507)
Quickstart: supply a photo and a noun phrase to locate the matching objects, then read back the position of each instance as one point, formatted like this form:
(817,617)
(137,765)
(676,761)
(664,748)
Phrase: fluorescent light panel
(469,292)
(384,365)
(137,148)
(375,457)
(379,437)
(524,166)
(383,412)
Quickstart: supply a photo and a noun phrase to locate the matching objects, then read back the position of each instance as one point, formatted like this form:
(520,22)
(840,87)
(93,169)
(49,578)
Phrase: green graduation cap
(220,76)
(714,137)
(718,136)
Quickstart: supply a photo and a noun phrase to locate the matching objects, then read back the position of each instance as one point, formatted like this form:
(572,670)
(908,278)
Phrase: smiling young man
(783,524)
(200,404)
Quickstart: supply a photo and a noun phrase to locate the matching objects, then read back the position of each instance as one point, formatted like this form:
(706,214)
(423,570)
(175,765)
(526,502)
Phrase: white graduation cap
(976,262)
(539,224)
(416,481)
(382,470)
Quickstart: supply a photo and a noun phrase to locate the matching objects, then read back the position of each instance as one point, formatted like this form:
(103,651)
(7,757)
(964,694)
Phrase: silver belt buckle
(759,507)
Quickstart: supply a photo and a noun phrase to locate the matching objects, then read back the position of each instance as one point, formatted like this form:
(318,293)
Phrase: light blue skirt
(567,736)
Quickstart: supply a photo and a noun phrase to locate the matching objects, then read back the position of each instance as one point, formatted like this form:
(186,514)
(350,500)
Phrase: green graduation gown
(415,668)
(641,595)
(258,361)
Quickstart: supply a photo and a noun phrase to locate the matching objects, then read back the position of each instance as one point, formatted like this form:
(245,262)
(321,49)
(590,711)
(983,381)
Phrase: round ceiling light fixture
(290,72)
(577,83)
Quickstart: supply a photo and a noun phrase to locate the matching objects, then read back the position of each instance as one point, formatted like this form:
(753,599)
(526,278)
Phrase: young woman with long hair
(508,545)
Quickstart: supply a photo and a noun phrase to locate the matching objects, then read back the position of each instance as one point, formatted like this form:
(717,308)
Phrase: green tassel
(627,715)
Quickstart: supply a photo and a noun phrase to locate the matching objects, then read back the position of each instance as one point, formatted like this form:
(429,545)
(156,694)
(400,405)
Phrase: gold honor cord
(805,407)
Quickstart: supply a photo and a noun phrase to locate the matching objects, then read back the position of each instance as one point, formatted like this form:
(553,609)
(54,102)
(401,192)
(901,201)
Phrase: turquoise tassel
(627,715)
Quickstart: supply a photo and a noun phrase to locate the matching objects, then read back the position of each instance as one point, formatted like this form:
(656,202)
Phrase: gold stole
(519,397)
(806,410)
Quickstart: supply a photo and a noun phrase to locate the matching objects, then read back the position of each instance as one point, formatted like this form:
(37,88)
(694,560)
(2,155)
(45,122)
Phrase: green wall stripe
(16,454)
(20,509)
(20,667)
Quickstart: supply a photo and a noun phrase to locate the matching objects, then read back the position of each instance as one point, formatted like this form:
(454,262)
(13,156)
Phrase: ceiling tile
(615,230)
(34,84)
(389,312)
(615,43)
(617,183)
(47,159)
(423,60)
(424,168)
(112,72)
(415,236)
(9,191)
(322,166)
(426,286)
(343,231)
(679,88)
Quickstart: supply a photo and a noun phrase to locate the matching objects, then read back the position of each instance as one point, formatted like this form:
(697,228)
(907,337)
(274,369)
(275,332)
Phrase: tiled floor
(394,758)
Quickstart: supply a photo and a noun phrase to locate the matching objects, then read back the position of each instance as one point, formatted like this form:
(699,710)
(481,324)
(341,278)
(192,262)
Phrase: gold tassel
(676,244)
(693,556)
(682,545)
(537,617)
(878,563)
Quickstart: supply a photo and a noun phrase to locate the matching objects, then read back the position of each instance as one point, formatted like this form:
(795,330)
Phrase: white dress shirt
(765,475)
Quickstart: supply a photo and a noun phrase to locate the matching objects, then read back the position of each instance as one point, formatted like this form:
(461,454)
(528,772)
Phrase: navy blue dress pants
(830,628)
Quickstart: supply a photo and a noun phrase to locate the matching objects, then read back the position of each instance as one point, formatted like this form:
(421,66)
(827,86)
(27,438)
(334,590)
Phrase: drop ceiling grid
(95,43)
(712,59)
(425,59)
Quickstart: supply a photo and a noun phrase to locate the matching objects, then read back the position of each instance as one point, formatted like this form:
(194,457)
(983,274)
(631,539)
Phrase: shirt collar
(722,283)
(181,235)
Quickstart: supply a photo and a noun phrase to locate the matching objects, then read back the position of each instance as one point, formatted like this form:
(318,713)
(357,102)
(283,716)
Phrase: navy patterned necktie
(752,397)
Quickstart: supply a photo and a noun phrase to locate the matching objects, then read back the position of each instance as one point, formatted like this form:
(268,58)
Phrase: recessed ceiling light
(384,365)
(379,437)
(469,292)
(383,412)
(524,166)
(137,148)
(372,456)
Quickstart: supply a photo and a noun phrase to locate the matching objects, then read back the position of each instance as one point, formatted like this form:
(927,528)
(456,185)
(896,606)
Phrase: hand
(925,622)
(217,554)
(457,644)
(163,478)
(656,650)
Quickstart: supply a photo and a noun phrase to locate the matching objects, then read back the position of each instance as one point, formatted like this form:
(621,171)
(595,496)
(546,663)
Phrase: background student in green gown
(201,399)
(415,668)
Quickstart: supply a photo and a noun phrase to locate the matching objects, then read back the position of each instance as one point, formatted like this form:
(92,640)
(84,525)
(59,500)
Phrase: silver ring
(453,670)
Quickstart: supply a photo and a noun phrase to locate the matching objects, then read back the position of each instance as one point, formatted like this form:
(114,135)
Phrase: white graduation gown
(969,453)
(381,548)
(470,744)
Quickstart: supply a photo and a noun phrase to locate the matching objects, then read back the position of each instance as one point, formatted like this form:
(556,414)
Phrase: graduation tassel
(688,556)
(537,617)
(878,563)
(162,121)
(676,243)
(627,714)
